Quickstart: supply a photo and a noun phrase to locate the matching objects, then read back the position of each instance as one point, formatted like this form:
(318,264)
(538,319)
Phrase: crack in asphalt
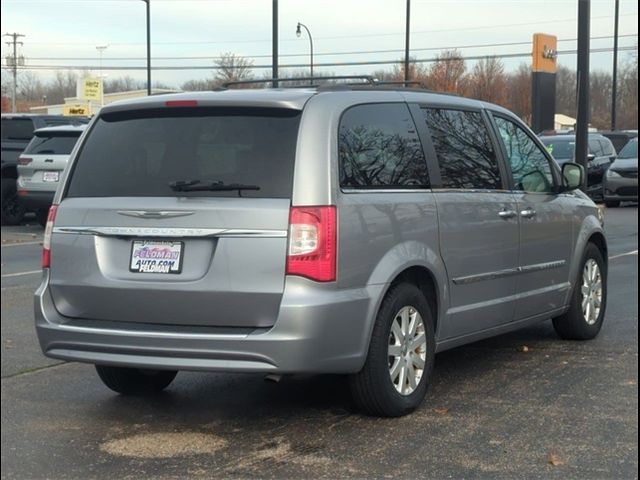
(34,370)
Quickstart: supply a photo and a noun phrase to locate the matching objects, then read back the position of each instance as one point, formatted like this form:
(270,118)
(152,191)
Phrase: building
(75,106)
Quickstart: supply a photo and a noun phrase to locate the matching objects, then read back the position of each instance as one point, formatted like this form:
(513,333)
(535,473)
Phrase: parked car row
(600,160)
(24,131)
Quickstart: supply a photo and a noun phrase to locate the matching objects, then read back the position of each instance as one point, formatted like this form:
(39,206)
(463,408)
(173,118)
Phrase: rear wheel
(132,381)
(584,319)
(12,209)
(612,203)
(397,371)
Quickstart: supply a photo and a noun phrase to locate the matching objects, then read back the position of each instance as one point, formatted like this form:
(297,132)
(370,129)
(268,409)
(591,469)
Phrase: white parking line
(19,244)
(635,252)
(20,274)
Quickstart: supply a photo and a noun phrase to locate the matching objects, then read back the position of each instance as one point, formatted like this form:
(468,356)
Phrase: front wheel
(586,312)
(135,381)
(397,371)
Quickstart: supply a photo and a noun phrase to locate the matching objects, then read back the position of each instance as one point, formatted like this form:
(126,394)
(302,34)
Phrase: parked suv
(17,131)
(41,165)
(353,230)
(601,155)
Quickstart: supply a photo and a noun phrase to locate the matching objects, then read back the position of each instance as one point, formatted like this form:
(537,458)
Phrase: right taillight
(312,243)
(48,230)
(24,160)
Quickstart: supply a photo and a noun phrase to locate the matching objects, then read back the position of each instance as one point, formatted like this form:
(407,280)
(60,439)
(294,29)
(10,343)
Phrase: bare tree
(519,92)
(232,67)
(447,73)
(488,81)
(123,84)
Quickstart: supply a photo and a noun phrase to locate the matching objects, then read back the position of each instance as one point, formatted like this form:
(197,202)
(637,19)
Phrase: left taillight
(48,230)
(312,243)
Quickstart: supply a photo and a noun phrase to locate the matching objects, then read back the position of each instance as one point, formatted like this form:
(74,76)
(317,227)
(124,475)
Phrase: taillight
(46,244)
(24,160)
(312,243)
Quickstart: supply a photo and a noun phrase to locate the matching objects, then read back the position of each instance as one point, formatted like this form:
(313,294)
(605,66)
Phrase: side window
(607,148)
(529,166)
(595,148)
(378,146)
(465,154)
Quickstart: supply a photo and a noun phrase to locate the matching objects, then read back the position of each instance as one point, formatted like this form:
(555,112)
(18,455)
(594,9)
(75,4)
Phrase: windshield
(630,150)
(560,149)
(142,153)
(52,144)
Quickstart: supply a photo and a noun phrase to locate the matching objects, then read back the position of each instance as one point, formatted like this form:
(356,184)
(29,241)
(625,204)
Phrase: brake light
(312,243)
(46,244)
(181,103)
(24,160)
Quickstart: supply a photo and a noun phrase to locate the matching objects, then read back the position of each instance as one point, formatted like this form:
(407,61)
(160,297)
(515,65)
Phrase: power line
(340,37)
(305,65)
(354,52)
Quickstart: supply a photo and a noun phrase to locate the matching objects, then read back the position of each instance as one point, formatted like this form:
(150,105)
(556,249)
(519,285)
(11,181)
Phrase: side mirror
(572,176)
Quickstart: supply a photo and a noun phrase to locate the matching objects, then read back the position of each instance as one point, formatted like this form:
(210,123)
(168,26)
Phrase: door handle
(528,213)
(506,214)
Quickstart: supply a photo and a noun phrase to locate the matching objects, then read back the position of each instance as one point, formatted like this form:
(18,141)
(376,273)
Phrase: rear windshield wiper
(200,186)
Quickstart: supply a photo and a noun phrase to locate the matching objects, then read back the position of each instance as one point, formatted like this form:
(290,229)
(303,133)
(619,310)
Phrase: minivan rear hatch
(177,216)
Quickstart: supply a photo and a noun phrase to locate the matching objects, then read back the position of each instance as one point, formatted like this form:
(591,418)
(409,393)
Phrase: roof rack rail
(404,83)
(366,79)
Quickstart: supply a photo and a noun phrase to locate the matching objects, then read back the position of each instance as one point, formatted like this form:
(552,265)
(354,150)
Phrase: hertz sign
(76,110)
(545,53)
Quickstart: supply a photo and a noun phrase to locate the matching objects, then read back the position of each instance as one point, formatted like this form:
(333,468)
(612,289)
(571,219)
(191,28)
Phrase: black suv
(17,131)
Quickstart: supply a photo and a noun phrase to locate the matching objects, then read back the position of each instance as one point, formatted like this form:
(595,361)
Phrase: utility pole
(13,61)
(406,43)
(582,124)
(148,2)
(614,87)
(274,46)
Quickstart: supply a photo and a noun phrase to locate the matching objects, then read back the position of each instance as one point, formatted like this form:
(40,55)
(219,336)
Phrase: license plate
(50,176)
(151,256)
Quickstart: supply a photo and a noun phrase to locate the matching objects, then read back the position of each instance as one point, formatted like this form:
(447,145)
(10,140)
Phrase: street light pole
(148,2)
(298,33)
(274,43)
(406,42)
(582,123)
(101,49)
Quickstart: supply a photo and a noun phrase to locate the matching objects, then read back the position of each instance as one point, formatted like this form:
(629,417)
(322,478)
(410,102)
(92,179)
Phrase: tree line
(487,79)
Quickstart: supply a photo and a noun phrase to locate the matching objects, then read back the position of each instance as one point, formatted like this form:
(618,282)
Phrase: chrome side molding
(170,232)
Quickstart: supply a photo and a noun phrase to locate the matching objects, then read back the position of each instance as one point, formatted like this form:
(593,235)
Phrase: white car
(41,164)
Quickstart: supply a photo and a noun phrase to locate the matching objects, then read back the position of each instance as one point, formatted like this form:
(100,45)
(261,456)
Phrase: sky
(66,32)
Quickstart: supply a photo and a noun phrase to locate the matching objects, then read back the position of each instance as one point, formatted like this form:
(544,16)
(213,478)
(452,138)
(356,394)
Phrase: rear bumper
(318,330)
(36,200)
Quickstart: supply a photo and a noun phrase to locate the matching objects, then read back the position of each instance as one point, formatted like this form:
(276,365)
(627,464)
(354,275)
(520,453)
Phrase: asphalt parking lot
(523,405)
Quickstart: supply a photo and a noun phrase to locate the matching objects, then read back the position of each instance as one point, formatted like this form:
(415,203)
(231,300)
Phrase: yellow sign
(76,110)
(545,53)
(91,89)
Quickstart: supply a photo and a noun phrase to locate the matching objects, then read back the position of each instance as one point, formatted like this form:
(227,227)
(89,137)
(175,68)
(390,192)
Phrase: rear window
(630,150)
(141,153)
(52,144)
(17,129)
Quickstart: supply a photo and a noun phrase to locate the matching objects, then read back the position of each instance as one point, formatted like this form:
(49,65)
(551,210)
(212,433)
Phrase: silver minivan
(343,229)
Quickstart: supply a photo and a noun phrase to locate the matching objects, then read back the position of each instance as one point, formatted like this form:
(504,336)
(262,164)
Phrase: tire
(373,390)
(612,203)
(12,210)
(574,325)
(135,381)
(42,216)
